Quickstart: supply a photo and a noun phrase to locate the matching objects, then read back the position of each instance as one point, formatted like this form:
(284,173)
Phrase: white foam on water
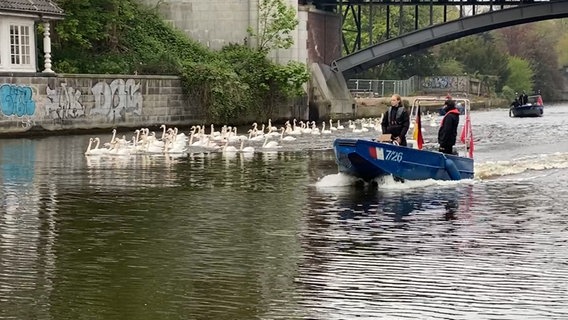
(493,169)
(336,180)
(341,180)
(388,183)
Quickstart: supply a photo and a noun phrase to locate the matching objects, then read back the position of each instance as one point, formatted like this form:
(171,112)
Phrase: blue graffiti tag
(16,100)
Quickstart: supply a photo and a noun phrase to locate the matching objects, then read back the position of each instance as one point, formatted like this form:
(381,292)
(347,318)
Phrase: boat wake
(341,180)
(495,169)
(483,171)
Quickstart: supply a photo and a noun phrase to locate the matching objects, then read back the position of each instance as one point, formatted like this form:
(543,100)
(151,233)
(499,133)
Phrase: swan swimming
(270,144)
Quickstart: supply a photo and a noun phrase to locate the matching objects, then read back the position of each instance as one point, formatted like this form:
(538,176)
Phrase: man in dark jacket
(396,121)
(448,131)
(523,98)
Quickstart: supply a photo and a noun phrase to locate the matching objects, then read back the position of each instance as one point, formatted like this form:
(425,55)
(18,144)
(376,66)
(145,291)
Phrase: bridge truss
(363,13)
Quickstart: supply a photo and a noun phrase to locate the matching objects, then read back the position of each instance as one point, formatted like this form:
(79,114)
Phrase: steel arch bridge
(510,13)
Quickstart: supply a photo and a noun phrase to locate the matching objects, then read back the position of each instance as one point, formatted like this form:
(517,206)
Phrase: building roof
(39,7)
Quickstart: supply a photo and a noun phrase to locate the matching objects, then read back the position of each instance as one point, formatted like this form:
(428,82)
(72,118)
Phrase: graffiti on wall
(16,100)
(113,101)
(117,99)
(449,83)
(64,103)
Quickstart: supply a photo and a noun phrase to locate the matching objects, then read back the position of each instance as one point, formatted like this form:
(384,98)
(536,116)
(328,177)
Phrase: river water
(282,235)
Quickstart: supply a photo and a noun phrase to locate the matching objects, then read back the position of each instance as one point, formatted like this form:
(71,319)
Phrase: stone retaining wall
(71,102)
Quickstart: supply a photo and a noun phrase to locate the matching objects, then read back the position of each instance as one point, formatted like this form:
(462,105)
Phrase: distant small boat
(533,108)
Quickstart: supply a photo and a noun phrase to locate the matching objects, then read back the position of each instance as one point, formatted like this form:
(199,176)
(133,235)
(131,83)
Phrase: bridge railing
(382,88)
(429,85)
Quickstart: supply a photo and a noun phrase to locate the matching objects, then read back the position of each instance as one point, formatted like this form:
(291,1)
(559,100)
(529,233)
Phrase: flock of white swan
(226,140)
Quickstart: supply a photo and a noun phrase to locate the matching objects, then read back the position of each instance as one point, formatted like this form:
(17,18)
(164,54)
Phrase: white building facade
(18,22)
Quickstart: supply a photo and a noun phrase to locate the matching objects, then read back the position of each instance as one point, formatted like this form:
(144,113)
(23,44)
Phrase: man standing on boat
(396,121)
(523,98)
(449,127)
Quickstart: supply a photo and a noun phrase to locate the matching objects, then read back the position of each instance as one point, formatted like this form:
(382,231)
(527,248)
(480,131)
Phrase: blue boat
(368,159)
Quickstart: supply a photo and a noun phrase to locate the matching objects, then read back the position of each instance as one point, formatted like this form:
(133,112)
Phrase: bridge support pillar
(565,84)
(329,97)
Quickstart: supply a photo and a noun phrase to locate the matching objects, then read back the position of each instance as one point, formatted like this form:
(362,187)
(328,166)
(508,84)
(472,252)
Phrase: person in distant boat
(396,121)
(516,102)
(539,99)
(523,98)
(448,131)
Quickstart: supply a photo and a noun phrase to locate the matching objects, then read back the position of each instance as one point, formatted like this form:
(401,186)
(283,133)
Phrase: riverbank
(56,119)
(374,107)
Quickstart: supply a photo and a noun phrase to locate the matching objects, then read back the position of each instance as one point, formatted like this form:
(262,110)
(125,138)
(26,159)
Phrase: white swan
(87,152)
(152,148)
(331,127)
(270,144)
(270,127)
(315,129)
(96,150)
(257,136)
(305,128)
(295,129)
(248,149)
(163,127)
(354,129)
(273,132)
(227,148)
(173,147)
(113,135)
(213,132)
(192,131)
(179,136)
(286,138)
(119,149)
(323,130)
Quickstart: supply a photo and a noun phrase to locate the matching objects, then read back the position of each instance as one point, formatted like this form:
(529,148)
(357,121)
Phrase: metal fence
(381,88)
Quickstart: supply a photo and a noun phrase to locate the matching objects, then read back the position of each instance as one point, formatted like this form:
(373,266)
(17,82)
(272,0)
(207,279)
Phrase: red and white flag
(467,135)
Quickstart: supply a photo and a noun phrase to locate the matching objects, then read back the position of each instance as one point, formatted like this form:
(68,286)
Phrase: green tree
(451,67)
(119,36)
(276,21)
(480,57)
(217,88)
(520,75)
(536,43)
(561,50)
(508,93)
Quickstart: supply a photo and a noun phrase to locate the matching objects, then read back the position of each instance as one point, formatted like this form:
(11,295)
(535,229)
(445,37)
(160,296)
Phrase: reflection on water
(282,235)
(430,253)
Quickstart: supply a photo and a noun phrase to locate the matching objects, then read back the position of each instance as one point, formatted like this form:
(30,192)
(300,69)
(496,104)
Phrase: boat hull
(367,159)
(526,111)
